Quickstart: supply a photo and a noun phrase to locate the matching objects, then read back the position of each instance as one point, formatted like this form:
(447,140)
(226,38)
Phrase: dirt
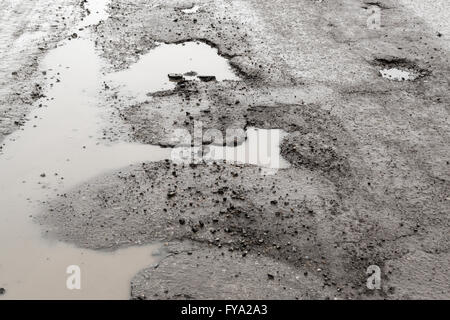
(369,182)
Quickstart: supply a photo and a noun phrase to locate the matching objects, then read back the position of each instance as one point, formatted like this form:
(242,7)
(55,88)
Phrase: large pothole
(167,64)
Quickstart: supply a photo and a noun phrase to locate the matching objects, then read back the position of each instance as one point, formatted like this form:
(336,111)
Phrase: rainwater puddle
(151,72)
(397,74)
(261,148)
(57,149)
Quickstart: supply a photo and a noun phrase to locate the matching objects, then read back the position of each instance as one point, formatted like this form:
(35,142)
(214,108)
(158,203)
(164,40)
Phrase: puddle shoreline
(152,72)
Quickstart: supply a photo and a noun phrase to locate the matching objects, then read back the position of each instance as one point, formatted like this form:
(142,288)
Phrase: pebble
(175,76)
(206,78)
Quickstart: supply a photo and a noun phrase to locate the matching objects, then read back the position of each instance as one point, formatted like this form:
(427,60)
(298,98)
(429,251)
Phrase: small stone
(175,76)
(207,78)
(2,291)
(171,194)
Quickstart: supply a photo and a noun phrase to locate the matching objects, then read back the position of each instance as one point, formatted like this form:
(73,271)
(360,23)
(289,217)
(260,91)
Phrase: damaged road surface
(226,150)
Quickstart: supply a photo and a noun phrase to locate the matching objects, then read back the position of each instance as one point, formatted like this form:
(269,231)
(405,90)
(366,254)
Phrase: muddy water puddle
(260,148)
(58,148)
(190,60)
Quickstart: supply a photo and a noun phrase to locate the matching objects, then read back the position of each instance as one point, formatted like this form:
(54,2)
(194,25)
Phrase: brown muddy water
(61,146)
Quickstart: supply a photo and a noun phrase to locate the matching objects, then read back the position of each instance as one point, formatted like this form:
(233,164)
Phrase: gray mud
(249,277)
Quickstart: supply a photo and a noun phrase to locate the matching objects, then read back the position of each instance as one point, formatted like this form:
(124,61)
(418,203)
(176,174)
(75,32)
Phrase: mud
(369,175)
(249,277)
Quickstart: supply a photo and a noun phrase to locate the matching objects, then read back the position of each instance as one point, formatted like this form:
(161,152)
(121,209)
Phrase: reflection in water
(150,73)
(260,148)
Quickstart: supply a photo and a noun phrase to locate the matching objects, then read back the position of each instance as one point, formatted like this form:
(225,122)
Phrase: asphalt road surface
(348,101)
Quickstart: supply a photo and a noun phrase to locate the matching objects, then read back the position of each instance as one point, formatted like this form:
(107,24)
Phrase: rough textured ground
(249,277)
(28,29)
(370,176)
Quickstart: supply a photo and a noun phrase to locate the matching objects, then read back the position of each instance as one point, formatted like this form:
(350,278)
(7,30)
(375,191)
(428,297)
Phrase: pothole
(399,69)
(261,148)
(162,67)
